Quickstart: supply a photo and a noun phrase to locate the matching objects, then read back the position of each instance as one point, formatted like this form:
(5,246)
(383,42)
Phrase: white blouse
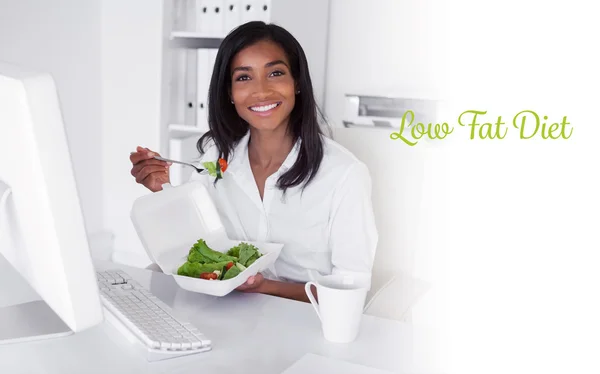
(329,228)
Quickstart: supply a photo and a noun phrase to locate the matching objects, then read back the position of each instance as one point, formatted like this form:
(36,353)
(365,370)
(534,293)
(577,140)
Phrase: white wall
(106,58)
(293,15)
(382,47)
(132,58)
(388,47)
(63,38)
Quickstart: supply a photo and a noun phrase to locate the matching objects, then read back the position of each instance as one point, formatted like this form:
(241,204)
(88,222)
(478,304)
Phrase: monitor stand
(26,320)
(29,321)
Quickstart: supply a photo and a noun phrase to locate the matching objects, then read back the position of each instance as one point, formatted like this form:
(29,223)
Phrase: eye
(242,77)
(277,73)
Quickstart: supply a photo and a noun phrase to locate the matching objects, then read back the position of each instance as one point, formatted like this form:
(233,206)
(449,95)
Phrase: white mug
(340,306)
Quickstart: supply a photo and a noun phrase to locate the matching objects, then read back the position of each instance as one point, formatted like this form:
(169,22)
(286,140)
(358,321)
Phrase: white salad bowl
(171,221)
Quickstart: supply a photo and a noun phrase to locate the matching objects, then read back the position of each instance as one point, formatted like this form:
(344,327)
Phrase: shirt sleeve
(353,237)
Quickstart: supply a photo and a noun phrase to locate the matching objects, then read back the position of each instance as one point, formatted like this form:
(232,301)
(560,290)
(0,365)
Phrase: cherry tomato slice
(223,165)
(208,276)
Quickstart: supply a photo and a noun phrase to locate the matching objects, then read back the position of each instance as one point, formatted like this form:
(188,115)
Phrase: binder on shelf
(202,16)
(184,14)
(210,17)
(263,10)
(249,11)
(216,18)
(203,74)
(232,18)
(191,87)
(177,86)
(212,58)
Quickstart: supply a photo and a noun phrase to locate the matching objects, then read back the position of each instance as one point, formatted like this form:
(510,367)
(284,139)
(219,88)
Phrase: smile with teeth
(264,108)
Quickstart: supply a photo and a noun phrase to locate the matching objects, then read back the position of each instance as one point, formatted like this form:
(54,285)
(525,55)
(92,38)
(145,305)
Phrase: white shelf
(183,131)
(194,40)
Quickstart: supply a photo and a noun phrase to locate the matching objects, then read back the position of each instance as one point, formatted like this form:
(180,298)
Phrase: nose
(262,89)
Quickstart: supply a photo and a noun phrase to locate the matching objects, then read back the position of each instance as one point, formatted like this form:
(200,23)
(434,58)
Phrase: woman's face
(262,87)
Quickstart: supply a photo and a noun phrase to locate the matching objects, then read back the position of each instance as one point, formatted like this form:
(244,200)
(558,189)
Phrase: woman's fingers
(138,157)
(249,281)
(252,284)
(142,164)
(142,154)
(148,170)
(247,285)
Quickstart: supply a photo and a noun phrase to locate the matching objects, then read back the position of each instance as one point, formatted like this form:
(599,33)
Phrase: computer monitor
(42,231)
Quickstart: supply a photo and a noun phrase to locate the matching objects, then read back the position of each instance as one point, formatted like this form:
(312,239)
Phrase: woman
(285,181)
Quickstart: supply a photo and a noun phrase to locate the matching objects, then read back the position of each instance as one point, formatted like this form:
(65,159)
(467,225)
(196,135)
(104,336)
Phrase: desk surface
(251,333)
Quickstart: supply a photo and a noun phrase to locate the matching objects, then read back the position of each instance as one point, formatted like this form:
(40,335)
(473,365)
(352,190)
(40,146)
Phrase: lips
(265,108)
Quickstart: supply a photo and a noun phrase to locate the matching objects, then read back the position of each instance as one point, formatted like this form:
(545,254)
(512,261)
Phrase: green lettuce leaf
(194,269)
(231,273)
(247,253)
(212,255)
(195,256)
(234,251)
(252,259)
(202,259)
(211,167)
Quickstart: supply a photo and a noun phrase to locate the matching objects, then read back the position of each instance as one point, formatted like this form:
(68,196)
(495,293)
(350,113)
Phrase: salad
(216,168)
(206,263)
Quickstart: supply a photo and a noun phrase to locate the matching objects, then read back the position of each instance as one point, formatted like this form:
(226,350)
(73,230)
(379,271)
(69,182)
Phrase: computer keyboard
(146,320)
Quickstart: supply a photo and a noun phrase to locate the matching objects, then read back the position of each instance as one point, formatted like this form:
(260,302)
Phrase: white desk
(251,333)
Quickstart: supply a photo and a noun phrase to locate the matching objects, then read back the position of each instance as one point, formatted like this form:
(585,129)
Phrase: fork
(201,171)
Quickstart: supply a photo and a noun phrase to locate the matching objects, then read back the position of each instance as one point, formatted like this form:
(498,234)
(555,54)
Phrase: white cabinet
(150,68)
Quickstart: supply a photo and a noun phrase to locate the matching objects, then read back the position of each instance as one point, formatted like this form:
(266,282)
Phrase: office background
(519,219)
(92,47)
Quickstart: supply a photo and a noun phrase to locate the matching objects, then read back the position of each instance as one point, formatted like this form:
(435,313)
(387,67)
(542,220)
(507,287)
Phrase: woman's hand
(258,284)
(148,171)
(255,283)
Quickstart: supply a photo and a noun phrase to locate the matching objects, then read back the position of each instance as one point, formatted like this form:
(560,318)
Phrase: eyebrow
(267,65)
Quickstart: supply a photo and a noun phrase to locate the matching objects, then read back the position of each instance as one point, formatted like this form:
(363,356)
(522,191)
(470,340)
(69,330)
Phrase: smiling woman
(248,93)
(261,71)
(285,182)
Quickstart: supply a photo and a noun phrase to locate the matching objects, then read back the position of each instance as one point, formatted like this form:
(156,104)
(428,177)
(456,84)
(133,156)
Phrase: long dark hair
(227,127)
